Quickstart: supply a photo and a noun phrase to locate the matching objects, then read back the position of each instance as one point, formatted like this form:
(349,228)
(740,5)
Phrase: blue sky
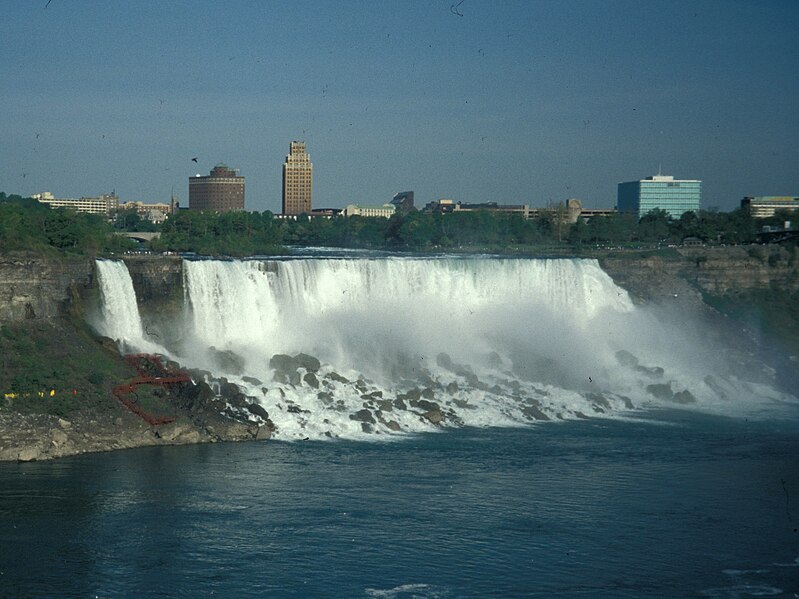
(514,102)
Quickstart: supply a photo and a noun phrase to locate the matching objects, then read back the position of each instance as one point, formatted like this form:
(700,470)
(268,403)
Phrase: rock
(258,410)
(335,376)
(325,396)
(367,427)
(59,437)
(363,415)
(399,404)
(393,425)
(64,423)
(625,358)
(361,386)
(428,393)
(29,454)
(227,360)
(534,413)
(684,397)
(427,406)
(654,372)
(252,380)
(311,380)
(433,416)
(452,388)
(264,433)
(661,391)
(282,363)
(310,363)
(386,405)
(445,361)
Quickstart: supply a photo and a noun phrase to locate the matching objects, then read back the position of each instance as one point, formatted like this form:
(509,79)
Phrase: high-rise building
(221,191)
(297,180)
(404,202)
(664,192)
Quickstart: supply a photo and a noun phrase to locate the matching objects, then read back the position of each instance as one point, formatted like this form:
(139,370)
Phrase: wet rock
(452,388)
(258,410)
(598,399)
(428,393)
(654,372)
(393,425)
(252,380)
(325,396)
(386,405)
(295,409)
(363,416)
(310,363)
(434,416)
(227,360)
(311,380)
(625,358)
(361,386)
(335,376)
(367,427)
(411,395)
(444,361)
(399,403)
(282,363)
(684,397)
(425,405)
(628,403)
(661,391)
(534,413)
(580,415)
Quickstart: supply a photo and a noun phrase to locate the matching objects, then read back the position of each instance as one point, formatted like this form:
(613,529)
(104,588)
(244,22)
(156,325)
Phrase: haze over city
(511,102)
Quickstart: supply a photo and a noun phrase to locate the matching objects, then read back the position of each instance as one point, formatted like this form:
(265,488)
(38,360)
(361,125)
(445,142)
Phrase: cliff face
(35,287)
(708,271)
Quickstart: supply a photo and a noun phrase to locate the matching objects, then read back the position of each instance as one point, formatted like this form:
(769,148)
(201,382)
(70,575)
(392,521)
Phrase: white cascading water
(120,318)
(409,343)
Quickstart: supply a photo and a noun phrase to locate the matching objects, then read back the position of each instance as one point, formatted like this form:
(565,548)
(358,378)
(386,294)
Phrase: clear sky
(480,100)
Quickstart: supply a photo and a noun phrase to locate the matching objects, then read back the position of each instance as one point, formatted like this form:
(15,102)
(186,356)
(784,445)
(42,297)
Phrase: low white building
(384,211)
(103,204)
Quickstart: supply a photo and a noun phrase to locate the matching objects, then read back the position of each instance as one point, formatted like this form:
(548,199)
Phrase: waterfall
(408,344)
(120,318)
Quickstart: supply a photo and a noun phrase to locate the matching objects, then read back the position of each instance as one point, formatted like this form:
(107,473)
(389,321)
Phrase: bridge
(140,236)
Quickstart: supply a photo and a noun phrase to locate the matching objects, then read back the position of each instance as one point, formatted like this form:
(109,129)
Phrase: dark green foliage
(37,358)
(27,225)
(231,233)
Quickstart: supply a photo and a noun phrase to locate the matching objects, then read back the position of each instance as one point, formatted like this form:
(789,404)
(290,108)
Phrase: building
(103,204)
(447,206)
(404,202)
(156,212)
(384,211)
(766,206)
(297,180)
(221,191)
(659,192)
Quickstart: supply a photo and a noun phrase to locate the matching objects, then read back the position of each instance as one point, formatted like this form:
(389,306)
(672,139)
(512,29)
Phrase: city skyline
(511,102)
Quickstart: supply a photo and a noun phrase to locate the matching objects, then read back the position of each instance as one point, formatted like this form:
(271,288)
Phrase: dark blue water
(699,507)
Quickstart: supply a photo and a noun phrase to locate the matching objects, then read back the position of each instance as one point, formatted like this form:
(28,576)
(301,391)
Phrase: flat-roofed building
(297,180)
(221,191)
(766,206)
(155,212)
(384,211)
(102,204)
(659,192)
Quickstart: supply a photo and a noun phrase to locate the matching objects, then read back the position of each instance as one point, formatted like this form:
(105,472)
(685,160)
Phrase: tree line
(27,224)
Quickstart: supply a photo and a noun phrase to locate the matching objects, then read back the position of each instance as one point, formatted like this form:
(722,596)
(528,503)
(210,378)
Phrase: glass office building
(675,196)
